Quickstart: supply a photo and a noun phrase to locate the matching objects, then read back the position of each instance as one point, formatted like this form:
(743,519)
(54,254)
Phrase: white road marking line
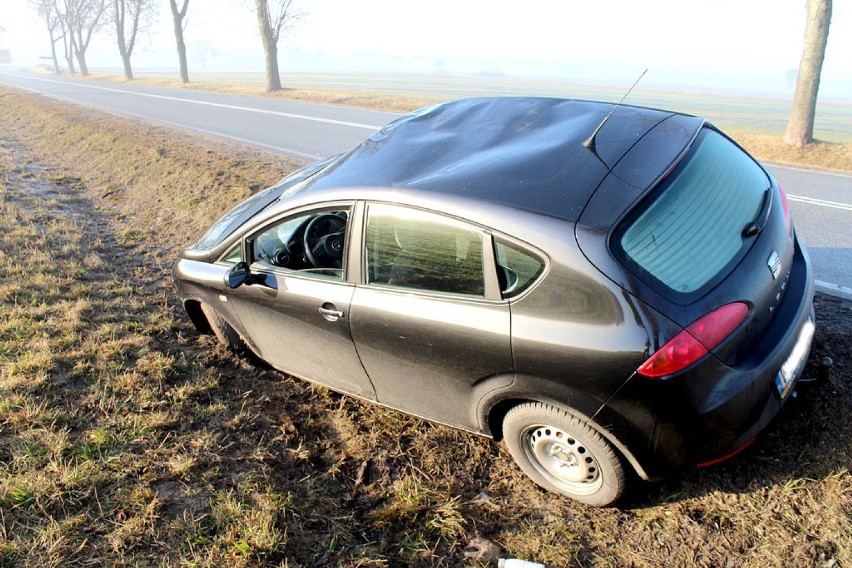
(833,289)
(217,105)
(820,202)
(806,170)
(276,149)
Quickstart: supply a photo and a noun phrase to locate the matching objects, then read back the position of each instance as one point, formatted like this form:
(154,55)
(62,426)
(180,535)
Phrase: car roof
(523,152)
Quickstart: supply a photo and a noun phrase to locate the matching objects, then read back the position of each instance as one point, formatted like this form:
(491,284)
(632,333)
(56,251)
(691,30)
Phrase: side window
(408,248)
(311,243)
(517,268)
(233,256)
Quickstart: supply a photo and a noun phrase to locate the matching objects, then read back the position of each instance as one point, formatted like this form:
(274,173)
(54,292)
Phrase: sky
(746,46)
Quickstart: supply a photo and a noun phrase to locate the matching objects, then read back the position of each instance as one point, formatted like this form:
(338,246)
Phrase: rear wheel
(563,453)
(223,331)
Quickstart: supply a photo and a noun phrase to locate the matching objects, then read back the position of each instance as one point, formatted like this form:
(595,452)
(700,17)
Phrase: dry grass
(374,100)
(820,155)
(125,438)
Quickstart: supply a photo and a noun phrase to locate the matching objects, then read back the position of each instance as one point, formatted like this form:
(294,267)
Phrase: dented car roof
(524,152)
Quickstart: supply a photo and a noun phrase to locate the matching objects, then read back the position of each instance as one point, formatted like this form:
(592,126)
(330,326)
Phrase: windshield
(689,234)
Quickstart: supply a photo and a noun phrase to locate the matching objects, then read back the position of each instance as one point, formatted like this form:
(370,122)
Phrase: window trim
(221,260)
(247,242)
(535,251)
(491,292)
(619,226)
(489,266)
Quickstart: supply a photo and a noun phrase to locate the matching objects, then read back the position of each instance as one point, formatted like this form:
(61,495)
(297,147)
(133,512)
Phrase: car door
(427,322)
(295,309)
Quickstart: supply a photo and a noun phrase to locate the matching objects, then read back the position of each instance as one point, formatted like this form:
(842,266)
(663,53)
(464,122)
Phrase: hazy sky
(752,46)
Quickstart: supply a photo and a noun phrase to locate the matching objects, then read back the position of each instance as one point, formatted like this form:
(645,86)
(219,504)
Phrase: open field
(756,122)
(127,438)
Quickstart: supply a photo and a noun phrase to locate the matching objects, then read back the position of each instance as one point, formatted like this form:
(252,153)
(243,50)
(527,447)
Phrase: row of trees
(75,22)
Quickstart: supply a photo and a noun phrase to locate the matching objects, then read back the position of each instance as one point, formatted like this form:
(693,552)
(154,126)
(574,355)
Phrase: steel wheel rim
(562,459)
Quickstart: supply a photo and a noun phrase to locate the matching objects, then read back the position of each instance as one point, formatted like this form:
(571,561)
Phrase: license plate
(795,363)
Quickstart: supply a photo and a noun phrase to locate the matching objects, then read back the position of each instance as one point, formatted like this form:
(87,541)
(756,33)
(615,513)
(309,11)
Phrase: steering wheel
(324,240)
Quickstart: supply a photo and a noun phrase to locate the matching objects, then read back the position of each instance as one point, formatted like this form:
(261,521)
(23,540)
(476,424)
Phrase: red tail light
(693,343)
(786,206)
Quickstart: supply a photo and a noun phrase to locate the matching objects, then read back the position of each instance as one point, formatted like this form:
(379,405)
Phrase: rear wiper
(753,228)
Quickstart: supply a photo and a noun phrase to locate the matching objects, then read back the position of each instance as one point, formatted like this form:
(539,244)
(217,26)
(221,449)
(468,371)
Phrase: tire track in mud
(48,196)
(263,413)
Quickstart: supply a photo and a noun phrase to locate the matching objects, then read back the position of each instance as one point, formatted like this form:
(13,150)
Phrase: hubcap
(564,460)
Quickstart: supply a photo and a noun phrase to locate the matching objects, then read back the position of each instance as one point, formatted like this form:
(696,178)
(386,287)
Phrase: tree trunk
(184,69)
(122,49)
(273,77)
(69,59)
(270,46)
(177,19)
(81,63)
(128,70)
(800,128)
(53,53)
(68,47)
(181,49)
(52,23)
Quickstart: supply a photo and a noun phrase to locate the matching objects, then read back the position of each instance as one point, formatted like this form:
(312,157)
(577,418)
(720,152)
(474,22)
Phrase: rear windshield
(689,234)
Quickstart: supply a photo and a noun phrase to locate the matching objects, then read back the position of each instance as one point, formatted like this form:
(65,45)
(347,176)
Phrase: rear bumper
(713,409)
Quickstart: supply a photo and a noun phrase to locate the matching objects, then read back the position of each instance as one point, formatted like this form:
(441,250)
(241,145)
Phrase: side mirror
(238,275)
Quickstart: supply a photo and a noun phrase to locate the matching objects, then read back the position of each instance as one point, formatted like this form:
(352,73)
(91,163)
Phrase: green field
(760,115)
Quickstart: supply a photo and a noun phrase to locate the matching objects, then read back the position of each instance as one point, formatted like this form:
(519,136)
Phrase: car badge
(774,264)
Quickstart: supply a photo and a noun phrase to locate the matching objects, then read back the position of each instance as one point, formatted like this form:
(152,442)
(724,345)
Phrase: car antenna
(590,141)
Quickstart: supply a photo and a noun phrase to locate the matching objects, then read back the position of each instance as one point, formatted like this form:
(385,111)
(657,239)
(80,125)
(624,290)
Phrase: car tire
(563,453)
(223,331)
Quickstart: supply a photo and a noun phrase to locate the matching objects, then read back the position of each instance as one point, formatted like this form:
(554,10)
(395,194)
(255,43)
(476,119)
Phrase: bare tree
(202,52)
(68,43)
(800,128)
(70,46)
(273,17)
(83,18)
(47,9)
(131,17)
(178,17)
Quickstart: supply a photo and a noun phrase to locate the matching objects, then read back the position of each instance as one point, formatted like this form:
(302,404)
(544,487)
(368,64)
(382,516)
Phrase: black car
(633,298)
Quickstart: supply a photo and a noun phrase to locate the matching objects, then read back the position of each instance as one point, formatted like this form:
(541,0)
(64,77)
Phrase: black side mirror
(238,275)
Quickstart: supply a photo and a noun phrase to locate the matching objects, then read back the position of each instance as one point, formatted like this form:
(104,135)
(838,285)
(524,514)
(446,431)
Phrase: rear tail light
(786,206)
(694,342)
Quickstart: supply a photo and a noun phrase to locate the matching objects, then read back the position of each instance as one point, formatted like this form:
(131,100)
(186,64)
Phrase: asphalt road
(821,202)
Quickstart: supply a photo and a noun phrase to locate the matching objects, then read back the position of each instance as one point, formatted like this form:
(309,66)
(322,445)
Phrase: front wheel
(223,331)
(563,453)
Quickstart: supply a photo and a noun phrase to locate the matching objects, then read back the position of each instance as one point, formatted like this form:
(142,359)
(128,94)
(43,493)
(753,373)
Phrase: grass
(820,155)
(757,123)
(128,439)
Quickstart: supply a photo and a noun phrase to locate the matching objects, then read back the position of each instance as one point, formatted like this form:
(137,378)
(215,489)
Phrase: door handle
(330,313)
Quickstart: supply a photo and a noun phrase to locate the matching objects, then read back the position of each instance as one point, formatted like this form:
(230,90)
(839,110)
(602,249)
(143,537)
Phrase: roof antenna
(590,141)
